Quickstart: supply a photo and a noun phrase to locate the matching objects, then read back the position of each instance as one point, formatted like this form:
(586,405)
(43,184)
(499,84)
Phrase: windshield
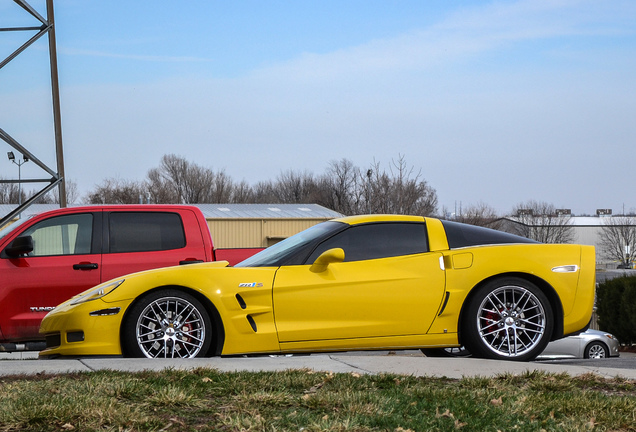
(8,229)
(294,249)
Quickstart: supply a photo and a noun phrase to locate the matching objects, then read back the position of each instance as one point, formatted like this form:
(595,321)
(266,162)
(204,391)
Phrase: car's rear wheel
(596,350)
(167,324)
(508,319)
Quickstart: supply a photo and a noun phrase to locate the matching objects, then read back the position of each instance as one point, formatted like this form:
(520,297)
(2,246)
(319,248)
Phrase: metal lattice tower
(46,27)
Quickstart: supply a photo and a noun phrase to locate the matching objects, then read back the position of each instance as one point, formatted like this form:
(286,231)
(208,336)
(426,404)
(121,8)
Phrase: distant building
(260,225)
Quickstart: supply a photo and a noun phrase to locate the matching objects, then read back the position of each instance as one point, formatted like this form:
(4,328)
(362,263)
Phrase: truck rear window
(145,232)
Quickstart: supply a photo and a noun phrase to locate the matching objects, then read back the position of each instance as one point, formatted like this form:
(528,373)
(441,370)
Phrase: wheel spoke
(511,321)
(170,327)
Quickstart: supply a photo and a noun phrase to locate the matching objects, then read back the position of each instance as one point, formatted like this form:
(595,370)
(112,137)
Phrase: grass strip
(208,400)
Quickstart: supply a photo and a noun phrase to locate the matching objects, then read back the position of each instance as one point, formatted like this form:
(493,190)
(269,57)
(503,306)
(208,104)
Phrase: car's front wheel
(167,324)
(508,319)
(596,350)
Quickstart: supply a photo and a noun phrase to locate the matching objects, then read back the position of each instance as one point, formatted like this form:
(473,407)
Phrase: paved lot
(402,362)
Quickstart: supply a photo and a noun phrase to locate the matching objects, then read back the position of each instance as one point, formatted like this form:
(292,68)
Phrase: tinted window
(463,235)
(381,240)
(62,235)
(145,232)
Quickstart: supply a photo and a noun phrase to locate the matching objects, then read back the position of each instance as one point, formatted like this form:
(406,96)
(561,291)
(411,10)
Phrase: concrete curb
(454,368)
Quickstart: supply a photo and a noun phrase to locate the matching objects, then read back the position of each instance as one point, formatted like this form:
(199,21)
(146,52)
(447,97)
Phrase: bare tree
(9,193)
(617,239)
(243,193)
(293,188)
(264,192)
(400,191)
(53,197)
(179,181)
(72,193)
(542,222)
(161,189)
(479,214)
(221,189)
(342,188)
(115,191)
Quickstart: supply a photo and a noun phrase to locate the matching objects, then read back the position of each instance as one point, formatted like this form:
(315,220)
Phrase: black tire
(166,324)
(446,352)
(596,350)
(507,319)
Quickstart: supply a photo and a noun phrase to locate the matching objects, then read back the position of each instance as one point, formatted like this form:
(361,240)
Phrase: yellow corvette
(355,283)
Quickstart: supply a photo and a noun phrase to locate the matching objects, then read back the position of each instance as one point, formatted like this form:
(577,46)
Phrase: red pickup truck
(50,257)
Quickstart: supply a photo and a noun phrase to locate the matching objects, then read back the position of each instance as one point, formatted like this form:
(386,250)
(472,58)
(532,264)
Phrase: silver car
(589,344)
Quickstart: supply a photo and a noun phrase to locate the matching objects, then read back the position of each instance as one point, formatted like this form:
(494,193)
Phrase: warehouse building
(260,225)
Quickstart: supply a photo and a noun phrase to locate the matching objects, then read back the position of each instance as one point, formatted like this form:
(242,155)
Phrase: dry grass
(207,400)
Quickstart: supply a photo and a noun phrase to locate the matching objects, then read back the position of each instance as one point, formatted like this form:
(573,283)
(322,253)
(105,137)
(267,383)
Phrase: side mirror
(334,255)
(20,246)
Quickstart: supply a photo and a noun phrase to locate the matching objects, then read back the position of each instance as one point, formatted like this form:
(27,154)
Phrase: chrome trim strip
(572,268)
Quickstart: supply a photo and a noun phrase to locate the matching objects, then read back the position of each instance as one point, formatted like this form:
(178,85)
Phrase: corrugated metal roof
(224,211)
(267,211)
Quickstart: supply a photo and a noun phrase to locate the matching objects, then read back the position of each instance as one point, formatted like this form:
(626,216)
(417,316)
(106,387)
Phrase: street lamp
(24,160)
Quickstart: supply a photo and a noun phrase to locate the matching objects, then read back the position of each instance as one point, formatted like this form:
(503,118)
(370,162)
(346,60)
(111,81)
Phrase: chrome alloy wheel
(511,321)
(170,327)
(596,351)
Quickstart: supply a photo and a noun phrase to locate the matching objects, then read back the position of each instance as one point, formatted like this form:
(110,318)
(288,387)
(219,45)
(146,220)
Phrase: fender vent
(240,301)
(445,303)
(252,323)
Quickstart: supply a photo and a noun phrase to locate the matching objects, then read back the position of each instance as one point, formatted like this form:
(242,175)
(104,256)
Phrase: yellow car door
(361,298)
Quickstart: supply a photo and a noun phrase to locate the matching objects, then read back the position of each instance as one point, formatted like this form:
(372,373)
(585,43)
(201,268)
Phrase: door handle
(190,261)
(85,266)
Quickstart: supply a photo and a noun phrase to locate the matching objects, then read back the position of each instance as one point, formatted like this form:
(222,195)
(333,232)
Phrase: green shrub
(616,308)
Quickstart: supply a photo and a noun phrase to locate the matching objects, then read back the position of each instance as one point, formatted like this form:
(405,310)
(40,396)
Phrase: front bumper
(614,346)
(91,328)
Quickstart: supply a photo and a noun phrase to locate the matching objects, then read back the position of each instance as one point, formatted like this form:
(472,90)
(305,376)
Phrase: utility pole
(57,116)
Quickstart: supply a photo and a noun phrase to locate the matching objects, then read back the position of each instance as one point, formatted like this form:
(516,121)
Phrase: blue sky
(498,102)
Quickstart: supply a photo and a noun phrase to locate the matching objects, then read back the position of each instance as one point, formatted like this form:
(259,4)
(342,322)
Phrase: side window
(380,240)
(62,235)
(145,232)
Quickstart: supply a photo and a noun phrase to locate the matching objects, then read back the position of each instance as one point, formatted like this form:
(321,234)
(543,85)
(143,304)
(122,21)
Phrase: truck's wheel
(167,324)
(508,319)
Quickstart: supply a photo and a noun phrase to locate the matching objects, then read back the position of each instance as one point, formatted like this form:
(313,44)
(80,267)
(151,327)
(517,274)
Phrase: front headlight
(97,292)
